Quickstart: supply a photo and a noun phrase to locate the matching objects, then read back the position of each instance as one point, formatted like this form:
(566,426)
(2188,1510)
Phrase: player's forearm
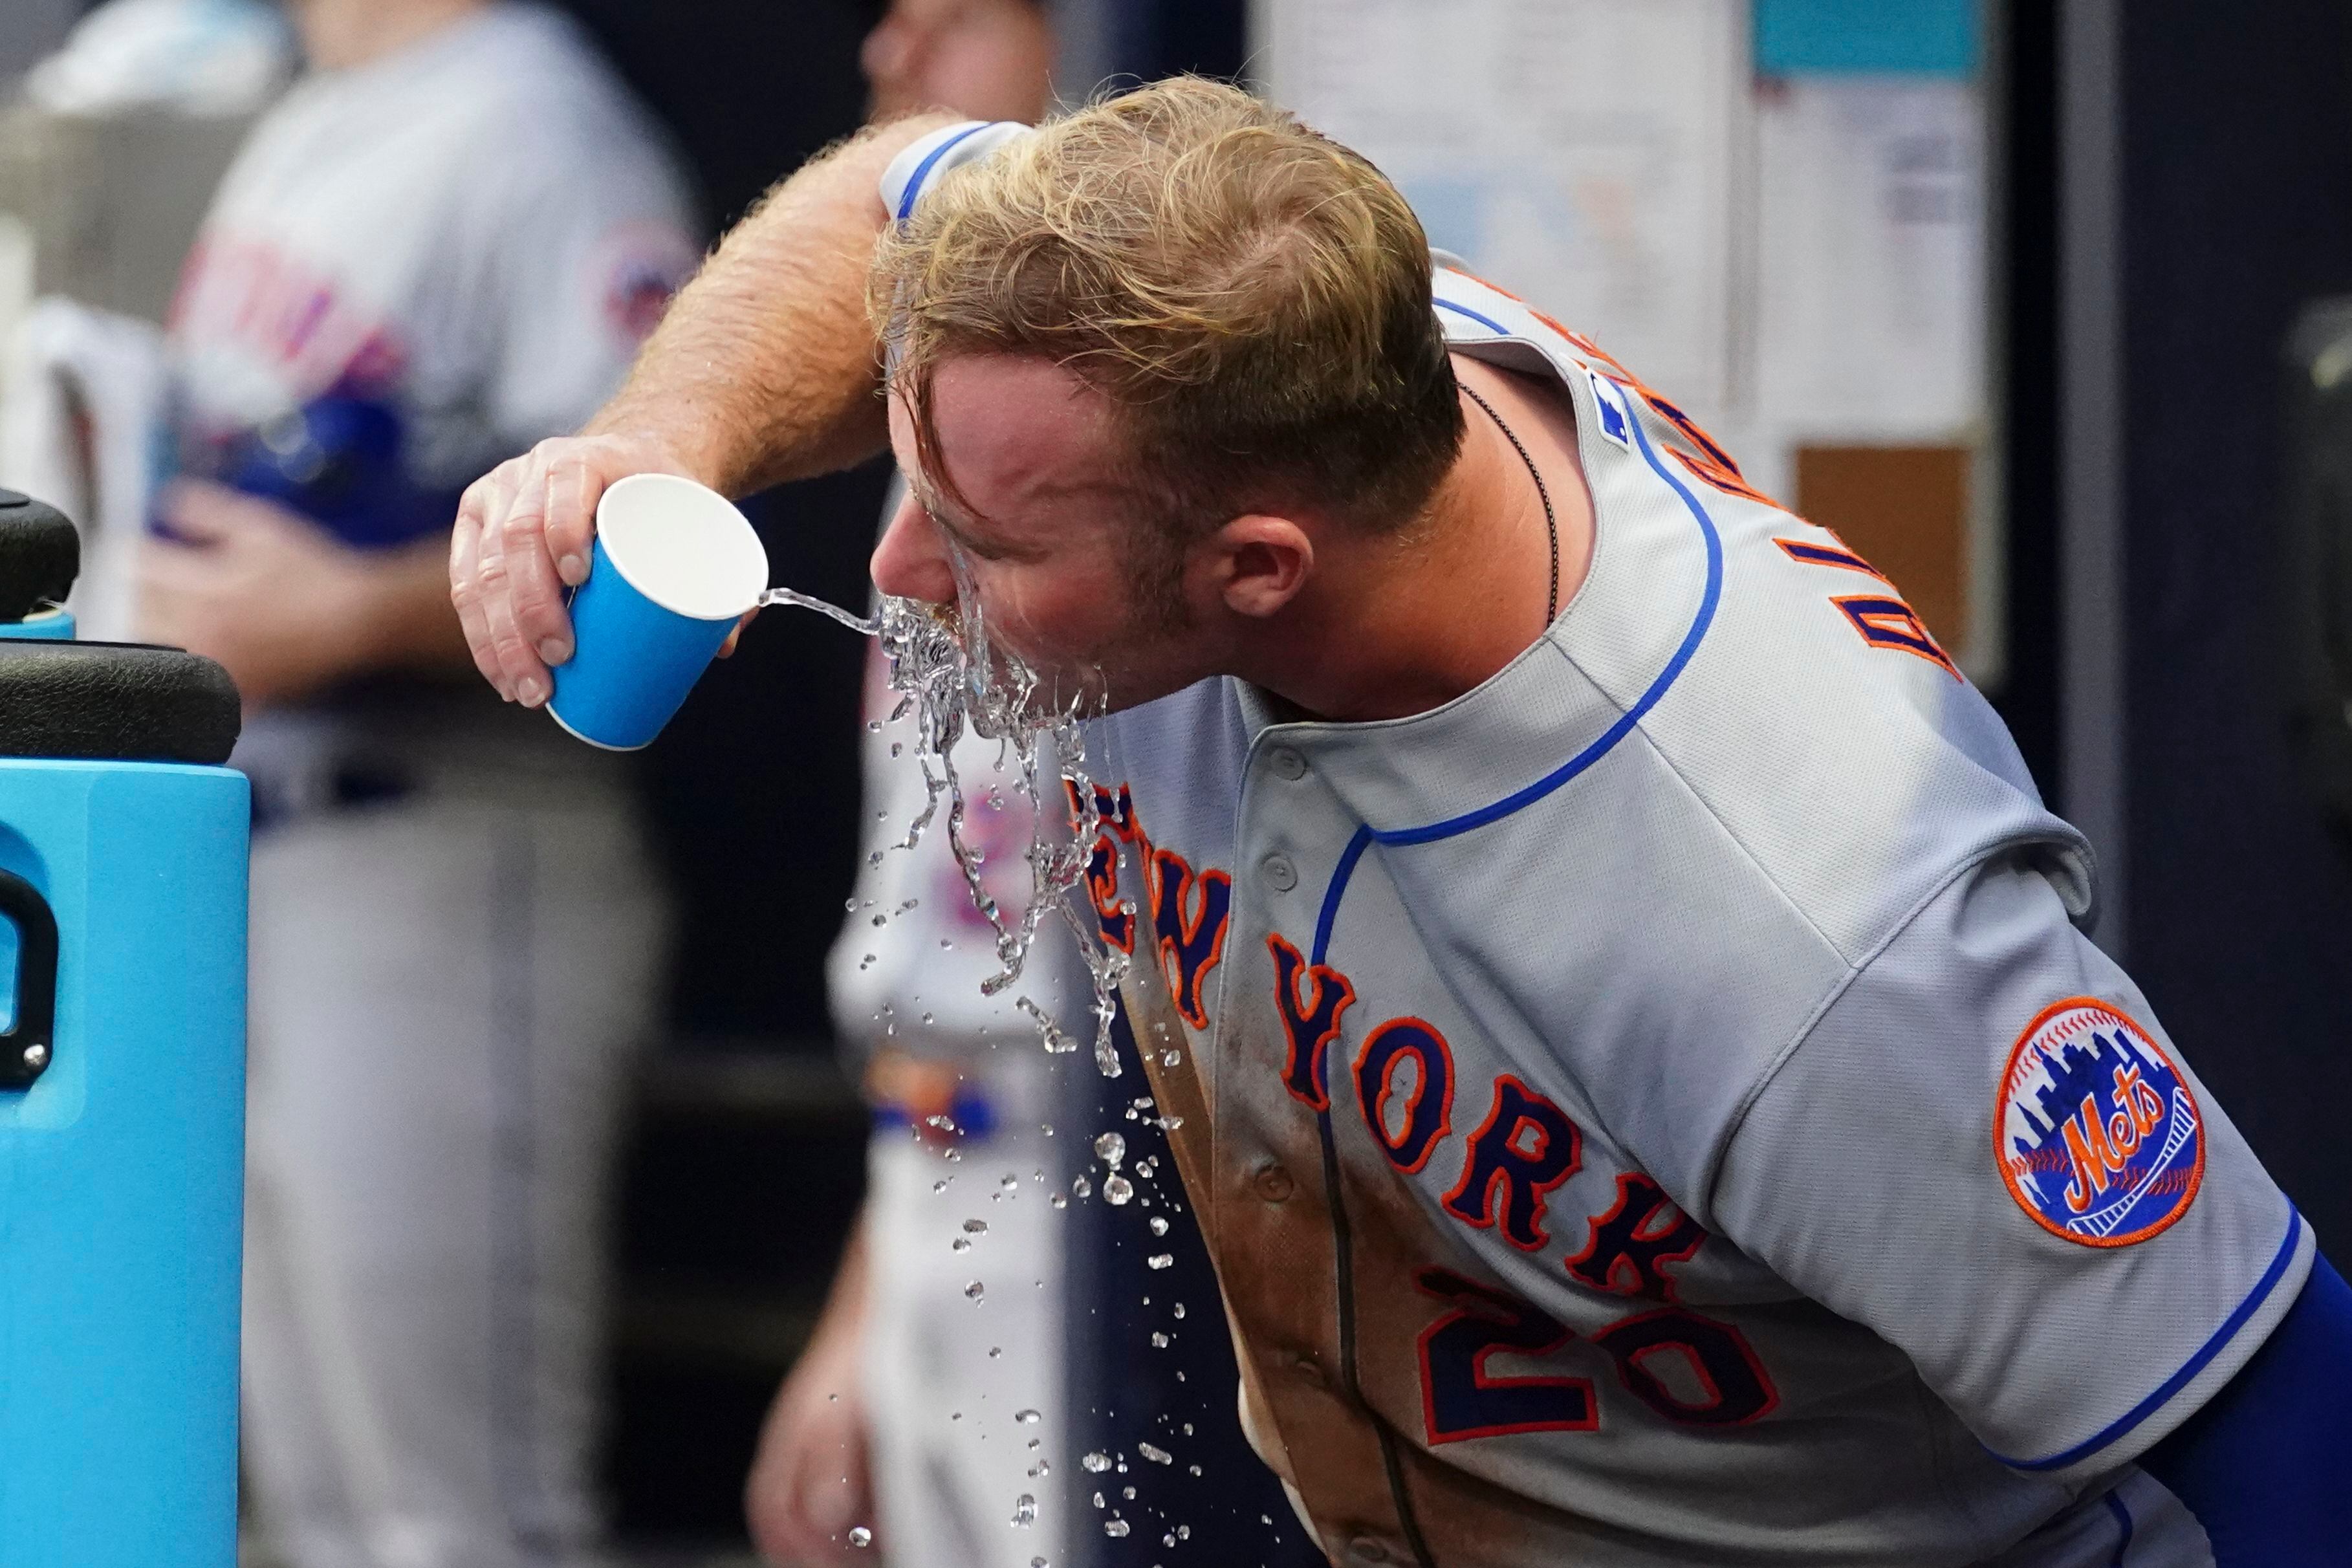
(405,621)
(766,367)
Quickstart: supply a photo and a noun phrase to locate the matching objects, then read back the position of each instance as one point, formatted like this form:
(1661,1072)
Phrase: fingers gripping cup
(675,566)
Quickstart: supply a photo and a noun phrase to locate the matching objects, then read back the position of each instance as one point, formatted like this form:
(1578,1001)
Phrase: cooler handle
(27,1046)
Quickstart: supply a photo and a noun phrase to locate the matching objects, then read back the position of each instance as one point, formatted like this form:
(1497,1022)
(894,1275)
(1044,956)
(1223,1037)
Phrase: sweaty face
(1045,529)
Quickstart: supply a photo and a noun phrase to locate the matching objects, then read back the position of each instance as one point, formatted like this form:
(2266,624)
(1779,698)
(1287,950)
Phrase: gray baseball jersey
(1658,1107)
(472,235)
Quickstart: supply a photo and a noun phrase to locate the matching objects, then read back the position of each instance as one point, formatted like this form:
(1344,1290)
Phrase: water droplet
(1159,1341)
(1027,1417)
(1117,1189)
(976,1290)
(961,1244)
(1025,1511)
(1161,1260)
(881,920)
(1159,1226)
(1180,1308)
(1157,1456)
(1096,1462)
(1115,1528)
(860,1536)
(1009,1182)
(1083,1187)
(1171,1058)
(975,1228)
(1059,1201)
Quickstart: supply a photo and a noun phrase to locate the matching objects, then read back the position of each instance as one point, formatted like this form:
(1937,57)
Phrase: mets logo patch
(2095,1129)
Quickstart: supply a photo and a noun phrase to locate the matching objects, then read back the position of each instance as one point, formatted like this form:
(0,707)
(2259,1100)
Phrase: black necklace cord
(1551,522)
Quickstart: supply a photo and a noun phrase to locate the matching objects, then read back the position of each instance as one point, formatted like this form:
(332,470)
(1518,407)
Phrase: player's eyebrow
(958,527)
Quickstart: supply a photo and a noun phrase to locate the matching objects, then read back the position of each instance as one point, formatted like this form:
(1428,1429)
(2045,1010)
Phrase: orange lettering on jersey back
(1887,622)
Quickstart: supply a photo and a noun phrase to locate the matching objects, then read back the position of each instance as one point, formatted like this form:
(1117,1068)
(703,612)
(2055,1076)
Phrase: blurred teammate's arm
(809,1484)
(285,606)
(764,370)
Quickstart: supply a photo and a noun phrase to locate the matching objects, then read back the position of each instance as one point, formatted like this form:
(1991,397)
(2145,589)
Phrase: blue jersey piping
(923,170)
(2190,1369)
(1600,748)
(2122,1522)
(1487,321)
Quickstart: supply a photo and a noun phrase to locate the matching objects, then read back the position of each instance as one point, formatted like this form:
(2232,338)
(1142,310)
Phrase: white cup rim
(682,545)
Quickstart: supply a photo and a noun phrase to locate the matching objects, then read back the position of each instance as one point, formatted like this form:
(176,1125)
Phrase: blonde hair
(1253,297)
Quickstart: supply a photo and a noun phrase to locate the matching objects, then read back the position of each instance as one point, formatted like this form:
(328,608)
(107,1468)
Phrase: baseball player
(1640,1075)
(900,1417)
(446,243)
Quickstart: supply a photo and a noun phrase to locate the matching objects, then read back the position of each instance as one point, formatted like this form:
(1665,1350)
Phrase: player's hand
(282,603)
(522,541)
(810,1483)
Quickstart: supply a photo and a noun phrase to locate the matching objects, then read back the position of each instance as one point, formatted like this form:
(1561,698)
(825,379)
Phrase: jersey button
(1309,1370)
(1286,764)
(1273,1183)
(1280,873)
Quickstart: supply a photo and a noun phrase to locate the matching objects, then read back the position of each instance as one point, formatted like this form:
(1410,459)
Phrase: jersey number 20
(1461,1398)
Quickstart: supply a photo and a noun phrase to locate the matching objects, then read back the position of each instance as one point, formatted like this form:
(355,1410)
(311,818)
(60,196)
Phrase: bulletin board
(1775,211)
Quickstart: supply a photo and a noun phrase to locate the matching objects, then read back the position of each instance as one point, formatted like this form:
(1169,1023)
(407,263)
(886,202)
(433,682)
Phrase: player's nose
(911,561)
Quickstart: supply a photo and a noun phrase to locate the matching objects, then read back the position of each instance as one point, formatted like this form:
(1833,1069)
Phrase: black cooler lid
(40,554)
(114,701)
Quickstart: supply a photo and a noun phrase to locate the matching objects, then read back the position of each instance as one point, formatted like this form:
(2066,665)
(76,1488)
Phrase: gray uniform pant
(445,992)
(958,1389)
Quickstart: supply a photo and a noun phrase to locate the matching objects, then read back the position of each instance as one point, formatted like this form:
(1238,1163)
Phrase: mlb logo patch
(1616,422)
(2095,1131)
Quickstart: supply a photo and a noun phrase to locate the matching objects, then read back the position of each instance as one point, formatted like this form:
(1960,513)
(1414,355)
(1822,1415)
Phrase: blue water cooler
(123,898)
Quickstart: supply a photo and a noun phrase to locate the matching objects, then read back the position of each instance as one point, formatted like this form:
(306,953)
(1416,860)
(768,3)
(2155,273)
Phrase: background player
(904,1381)
(443,244)
(1755,1214)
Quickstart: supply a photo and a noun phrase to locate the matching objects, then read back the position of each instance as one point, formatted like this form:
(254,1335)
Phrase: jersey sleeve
(921,164)
(1987,1151)
(591,238)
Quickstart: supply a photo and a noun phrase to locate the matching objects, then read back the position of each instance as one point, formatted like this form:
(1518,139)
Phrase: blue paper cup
(675,566)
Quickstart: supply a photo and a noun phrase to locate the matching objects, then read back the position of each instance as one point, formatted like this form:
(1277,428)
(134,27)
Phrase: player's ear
(1261,564)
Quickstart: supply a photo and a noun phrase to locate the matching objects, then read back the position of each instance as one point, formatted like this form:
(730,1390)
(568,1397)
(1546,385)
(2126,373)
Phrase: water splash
(951,678)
